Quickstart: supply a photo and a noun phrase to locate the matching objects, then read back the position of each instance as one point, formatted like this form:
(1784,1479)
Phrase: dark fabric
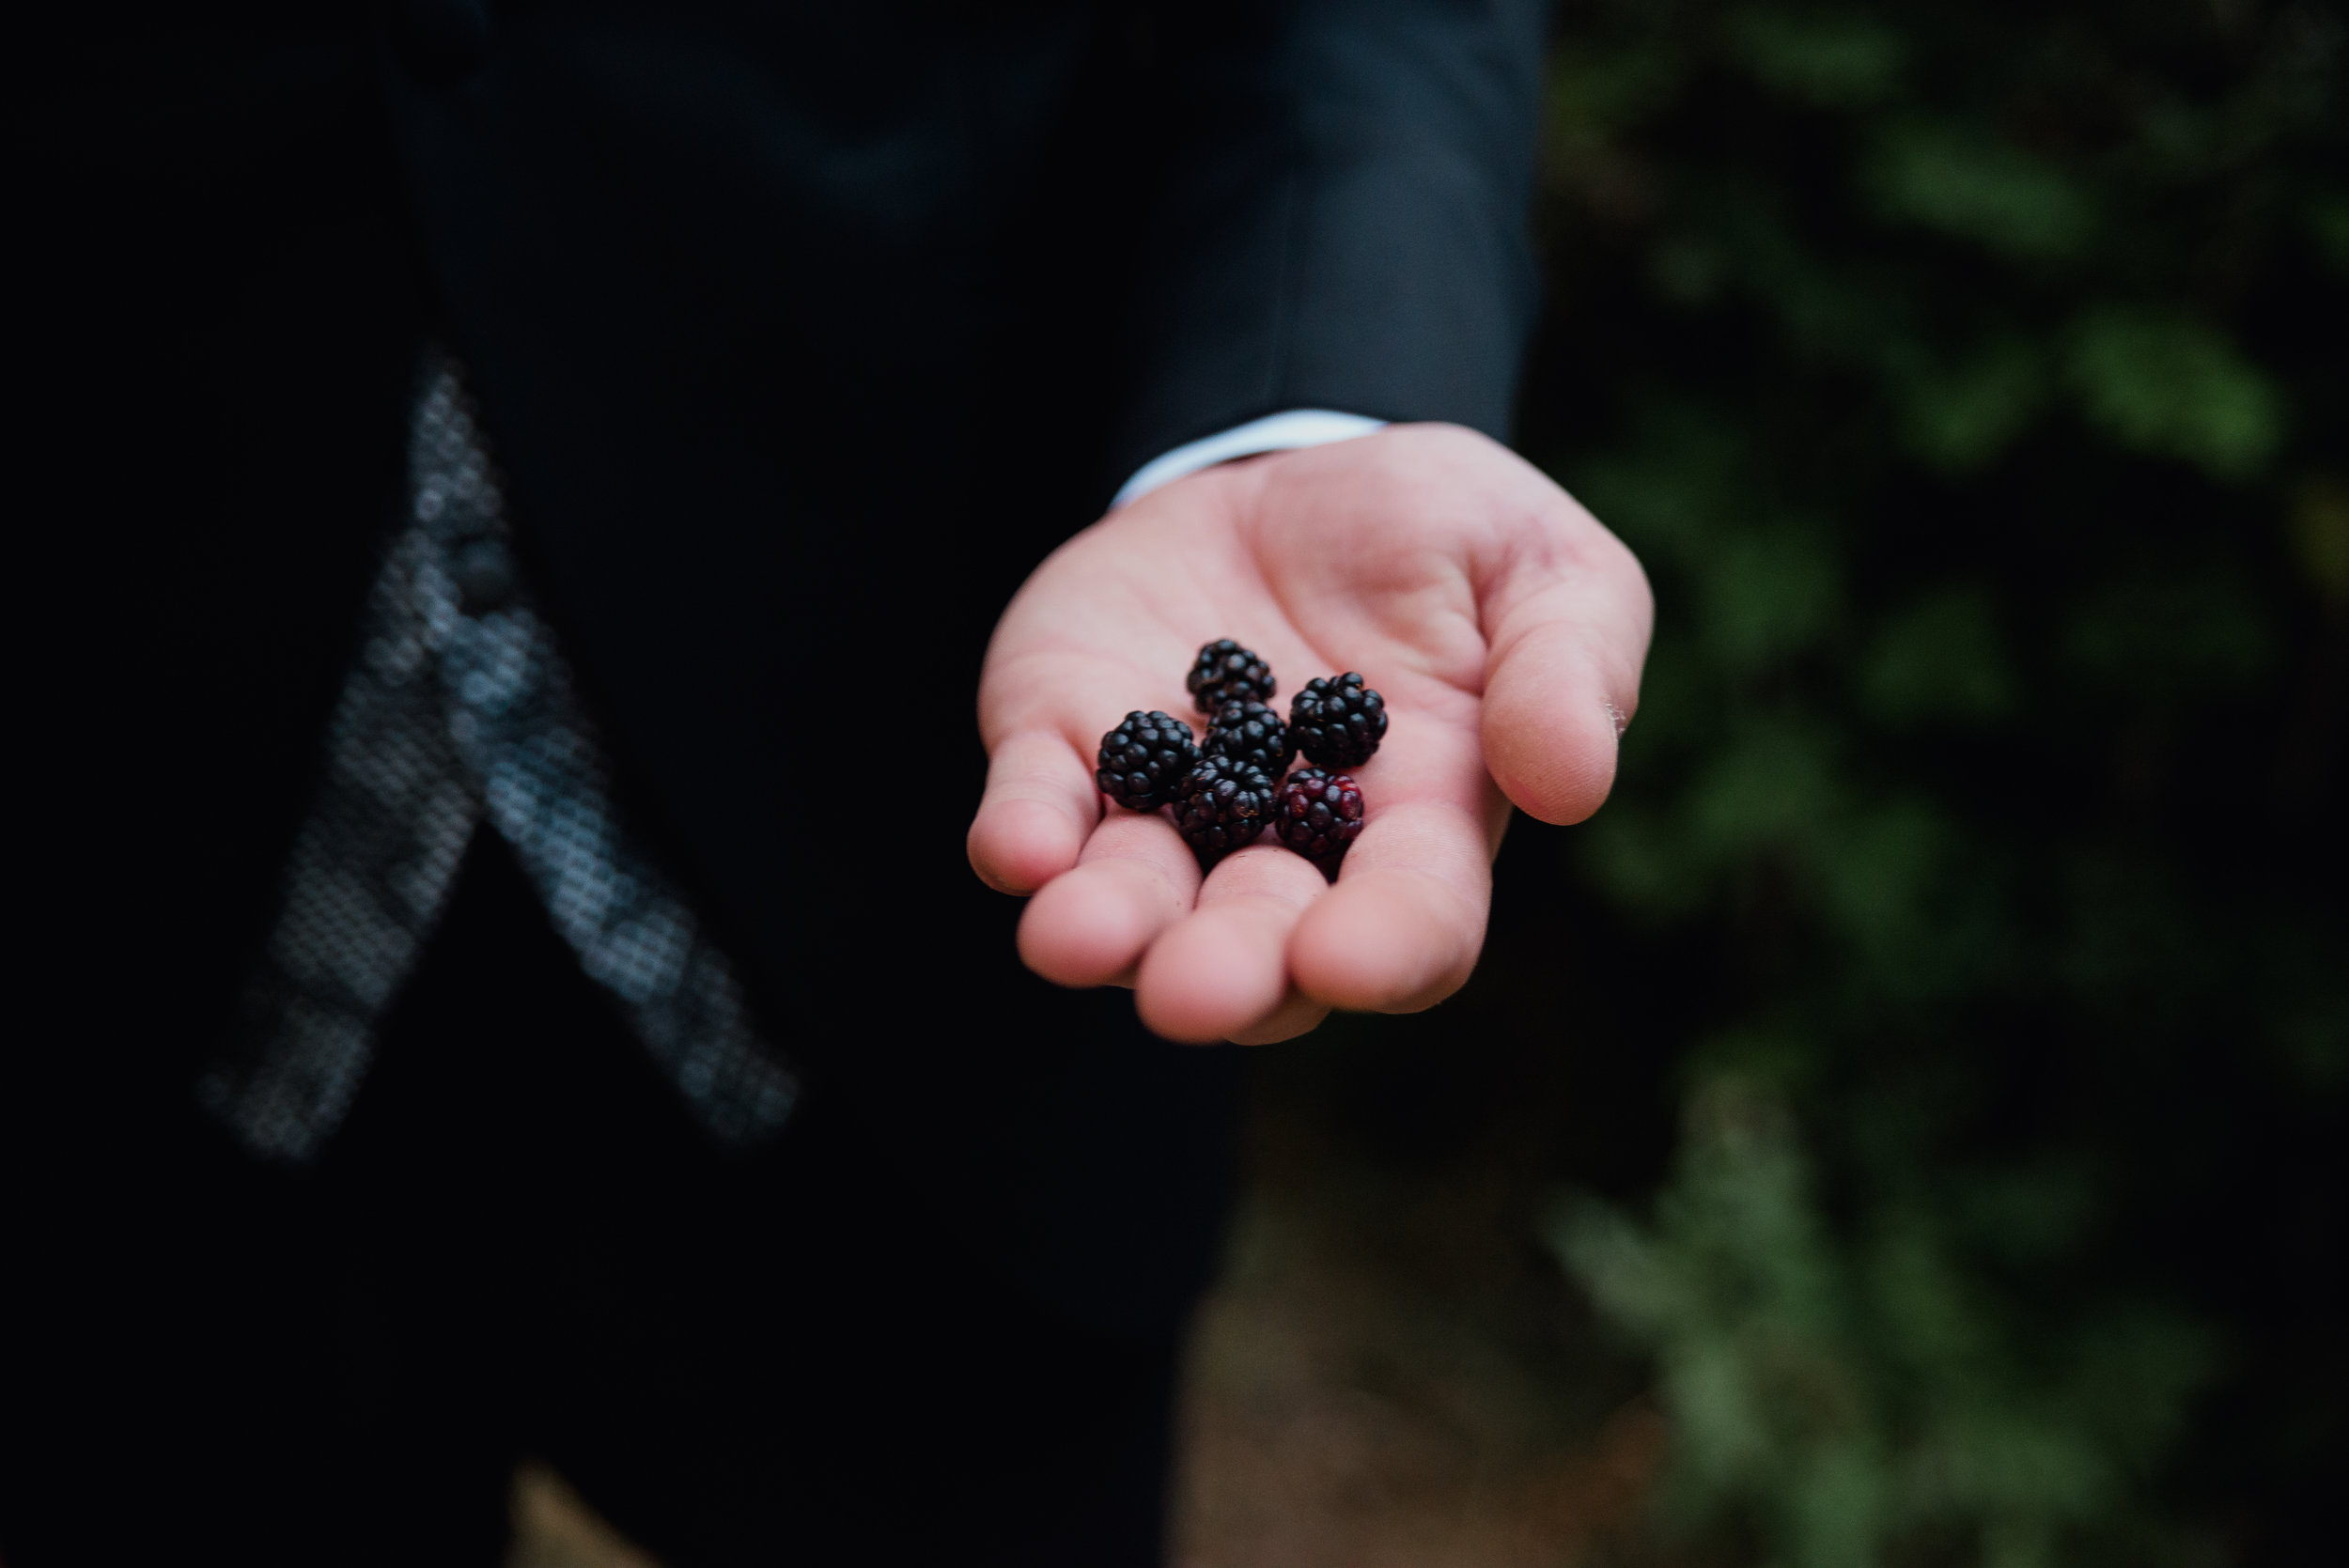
(804,331)
(1340,222)
(771,308)
(522,1244)
(773,287)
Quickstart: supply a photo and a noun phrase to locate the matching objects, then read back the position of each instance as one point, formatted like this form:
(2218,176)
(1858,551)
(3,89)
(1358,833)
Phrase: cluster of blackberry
(1230,787)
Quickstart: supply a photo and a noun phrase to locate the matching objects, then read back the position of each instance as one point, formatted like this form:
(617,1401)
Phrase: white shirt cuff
(1274,432)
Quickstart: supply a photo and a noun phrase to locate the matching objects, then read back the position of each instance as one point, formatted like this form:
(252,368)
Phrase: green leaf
(2328,221)
(2171,385)
(2164,637)
(1959,417)
(1765,597)
(1827,59)
(1941,660)
(1976,187)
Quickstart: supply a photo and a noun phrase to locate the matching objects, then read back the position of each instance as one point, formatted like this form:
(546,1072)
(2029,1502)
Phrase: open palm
(1503,625)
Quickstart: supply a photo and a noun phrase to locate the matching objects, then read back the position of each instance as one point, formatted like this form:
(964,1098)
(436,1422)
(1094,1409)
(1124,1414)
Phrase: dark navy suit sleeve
(1341,217)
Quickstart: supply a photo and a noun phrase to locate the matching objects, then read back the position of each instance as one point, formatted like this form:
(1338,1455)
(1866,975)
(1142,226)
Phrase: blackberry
(1318,813)
(1224,805)
(1225,672)
(1145,760)
(1251,733)
(1338,723)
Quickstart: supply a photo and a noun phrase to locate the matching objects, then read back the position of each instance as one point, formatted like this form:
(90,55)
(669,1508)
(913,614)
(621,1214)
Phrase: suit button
(440,41)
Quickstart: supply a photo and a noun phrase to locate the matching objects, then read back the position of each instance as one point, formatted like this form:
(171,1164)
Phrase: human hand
(1504,626)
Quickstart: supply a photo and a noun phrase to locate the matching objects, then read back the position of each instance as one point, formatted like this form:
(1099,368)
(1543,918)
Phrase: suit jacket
(803,331)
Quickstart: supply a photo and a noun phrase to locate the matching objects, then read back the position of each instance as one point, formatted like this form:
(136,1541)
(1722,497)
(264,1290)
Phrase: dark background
(1918,1095)
(1901,1127)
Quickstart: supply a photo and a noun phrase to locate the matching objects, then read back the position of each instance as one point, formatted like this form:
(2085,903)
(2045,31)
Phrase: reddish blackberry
(1338,723)
(1144,759)
(1319,813)
(1224,805)
(1251,733)
(1224,672)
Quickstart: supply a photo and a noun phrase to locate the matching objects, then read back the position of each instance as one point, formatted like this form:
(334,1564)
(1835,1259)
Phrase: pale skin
(1505,627)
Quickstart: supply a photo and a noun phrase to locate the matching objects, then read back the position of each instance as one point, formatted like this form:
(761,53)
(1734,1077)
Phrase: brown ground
(1338,1417)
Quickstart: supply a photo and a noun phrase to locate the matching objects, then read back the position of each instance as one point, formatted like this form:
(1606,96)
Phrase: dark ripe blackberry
(1223,805)
(1318,813)
(1224,673)
(1338,723)
(1254,734)
(1145,760)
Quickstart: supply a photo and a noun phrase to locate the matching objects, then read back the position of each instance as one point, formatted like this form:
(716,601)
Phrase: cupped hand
(1503,625)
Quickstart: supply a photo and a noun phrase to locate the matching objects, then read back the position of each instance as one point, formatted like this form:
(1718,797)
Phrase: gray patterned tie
(460,708)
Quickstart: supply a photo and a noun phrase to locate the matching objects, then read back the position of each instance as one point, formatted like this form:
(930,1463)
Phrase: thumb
(1567,622)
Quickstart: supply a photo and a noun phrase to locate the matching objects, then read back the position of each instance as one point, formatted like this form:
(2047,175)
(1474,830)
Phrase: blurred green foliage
(1969,376)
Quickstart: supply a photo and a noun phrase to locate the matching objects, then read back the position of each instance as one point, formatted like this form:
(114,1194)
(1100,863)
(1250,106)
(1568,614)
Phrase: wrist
(1287,431)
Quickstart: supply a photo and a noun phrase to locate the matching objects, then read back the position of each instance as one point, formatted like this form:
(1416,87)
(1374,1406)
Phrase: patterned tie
(460,708)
